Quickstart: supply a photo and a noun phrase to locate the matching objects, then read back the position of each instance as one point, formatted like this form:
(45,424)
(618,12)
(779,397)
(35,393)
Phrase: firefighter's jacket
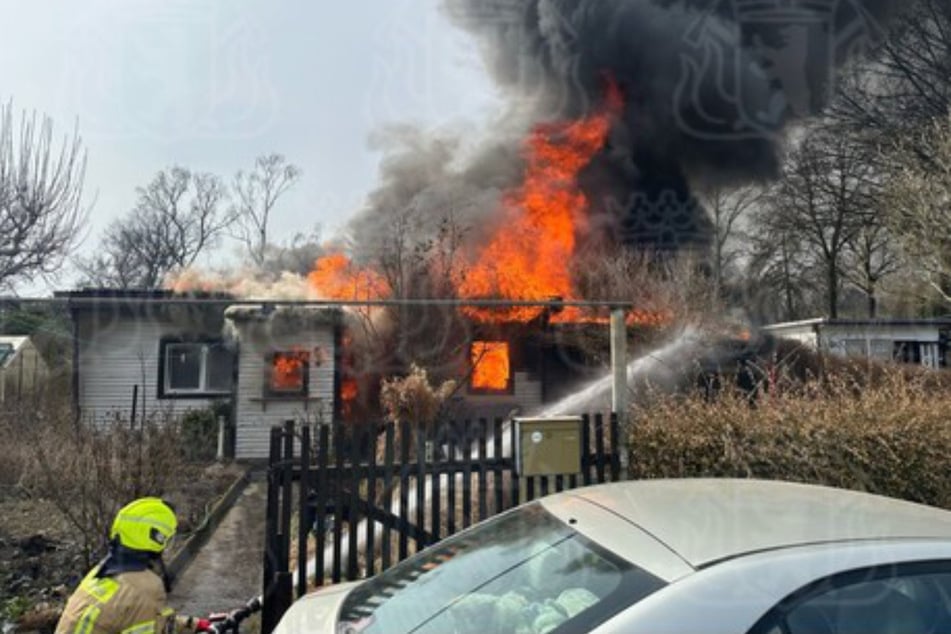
(127,603)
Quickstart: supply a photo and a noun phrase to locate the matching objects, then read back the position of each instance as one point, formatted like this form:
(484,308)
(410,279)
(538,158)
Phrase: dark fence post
(304,490)
(371,434)
(321,500)
(271,612)
(287,484)
(353,517)
(388,486)
(483,461)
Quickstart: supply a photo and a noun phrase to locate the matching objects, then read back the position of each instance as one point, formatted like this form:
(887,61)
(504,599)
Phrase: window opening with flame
(491,367)
(288,372)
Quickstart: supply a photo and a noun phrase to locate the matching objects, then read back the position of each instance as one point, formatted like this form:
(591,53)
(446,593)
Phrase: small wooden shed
(22,368)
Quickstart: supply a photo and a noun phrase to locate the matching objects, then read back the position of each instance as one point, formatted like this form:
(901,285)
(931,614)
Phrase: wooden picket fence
(347,501)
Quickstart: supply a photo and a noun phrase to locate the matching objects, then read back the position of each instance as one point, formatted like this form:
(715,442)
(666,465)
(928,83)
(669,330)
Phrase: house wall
(805,335)
(255,412)
(117,352)
(877,340)
(526,395)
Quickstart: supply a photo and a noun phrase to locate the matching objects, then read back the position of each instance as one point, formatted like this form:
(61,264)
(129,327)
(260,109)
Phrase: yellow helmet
(147,524)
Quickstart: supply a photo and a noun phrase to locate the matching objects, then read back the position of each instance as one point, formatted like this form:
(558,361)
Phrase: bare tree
(918,200)
(824,200)
(870,257)
(728,208)
(667,289)
(906,81)
(779,271)
(41,209)
(256,193)
(175,220)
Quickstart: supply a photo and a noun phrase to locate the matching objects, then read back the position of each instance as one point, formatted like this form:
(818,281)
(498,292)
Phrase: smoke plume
(710,88)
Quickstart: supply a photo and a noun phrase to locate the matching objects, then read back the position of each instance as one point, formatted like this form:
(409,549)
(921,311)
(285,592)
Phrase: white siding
(805,335)
(116,353)
(527,395)
(256,413)
(871,339)
(879,339)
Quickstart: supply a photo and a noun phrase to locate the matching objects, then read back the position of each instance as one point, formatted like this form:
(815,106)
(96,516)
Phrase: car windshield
(524,571)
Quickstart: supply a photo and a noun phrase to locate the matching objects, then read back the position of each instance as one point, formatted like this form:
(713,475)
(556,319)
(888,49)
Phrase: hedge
(891,436)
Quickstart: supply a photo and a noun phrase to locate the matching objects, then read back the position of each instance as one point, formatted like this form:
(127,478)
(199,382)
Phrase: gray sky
(211,84)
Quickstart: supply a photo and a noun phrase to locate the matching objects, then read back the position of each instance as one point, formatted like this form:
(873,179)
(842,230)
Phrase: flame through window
(491,366)
(288,372)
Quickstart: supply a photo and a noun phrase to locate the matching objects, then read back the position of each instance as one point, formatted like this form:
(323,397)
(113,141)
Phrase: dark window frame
(907,351)
(163,391)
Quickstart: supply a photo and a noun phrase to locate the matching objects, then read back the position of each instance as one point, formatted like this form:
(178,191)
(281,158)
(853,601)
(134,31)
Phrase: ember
(491,370)
(348,395)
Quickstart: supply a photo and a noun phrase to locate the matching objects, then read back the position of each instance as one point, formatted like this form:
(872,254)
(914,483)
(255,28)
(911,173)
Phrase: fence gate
(346,501)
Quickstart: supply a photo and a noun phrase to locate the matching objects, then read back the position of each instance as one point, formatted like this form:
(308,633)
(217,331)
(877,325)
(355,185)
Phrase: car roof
(709,520)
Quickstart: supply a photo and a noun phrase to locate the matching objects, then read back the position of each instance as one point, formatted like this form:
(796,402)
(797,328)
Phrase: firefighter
(125,593)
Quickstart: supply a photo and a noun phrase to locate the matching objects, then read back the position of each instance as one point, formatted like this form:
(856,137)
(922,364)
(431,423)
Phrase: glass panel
(523,571)
(219,368)
(183,366)
(913,603)
(6,350)
(907,352)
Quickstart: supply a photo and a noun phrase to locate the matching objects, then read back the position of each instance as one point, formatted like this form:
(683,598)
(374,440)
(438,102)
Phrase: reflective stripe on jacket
(128,603)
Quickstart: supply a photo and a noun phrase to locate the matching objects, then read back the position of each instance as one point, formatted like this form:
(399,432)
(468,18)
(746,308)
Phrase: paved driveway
(228,570)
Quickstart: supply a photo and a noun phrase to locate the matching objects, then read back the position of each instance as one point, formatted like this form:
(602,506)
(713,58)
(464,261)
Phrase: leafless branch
(41,210)
(256,193)
(175,220)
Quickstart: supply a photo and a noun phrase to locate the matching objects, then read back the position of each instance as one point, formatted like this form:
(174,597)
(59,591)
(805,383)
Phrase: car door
(907,598)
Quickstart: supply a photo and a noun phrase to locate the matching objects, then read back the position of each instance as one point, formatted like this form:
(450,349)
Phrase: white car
(657,556)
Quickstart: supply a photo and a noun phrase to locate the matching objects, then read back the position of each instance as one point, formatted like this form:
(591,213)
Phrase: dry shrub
(89,471)
(888,433)
(412,398)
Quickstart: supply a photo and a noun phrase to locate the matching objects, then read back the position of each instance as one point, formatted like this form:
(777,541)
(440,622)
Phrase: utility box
(548,446)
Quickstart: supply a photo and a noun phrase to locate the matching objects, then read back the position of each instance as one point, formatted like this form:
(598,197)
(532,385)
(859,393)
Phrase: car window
(909,599)
(524,571)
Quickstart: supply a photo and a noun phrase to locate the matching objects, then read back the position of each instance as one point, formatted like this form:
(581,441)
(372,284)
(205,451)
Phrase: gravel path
(228,570)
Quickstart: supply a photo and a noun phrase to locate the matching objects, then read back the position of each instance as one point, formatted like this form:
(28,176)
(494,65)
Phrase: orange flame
(348,396)
(336,277)
(287,371)
(491,369)
(528,257)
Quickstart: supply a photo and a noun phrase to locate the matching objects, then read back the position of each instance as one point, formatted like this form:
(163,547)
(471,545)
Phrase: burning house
(147,355)
(599,150)
(286,369)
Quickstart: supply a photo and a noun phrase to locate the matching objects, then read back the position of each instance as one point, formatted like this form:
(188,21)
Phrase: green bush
(199,435)
(891,436)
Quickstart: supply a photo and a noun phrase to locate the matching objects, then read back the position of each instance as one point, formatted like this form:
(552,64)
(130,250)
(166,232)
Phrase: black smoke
(711,88)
